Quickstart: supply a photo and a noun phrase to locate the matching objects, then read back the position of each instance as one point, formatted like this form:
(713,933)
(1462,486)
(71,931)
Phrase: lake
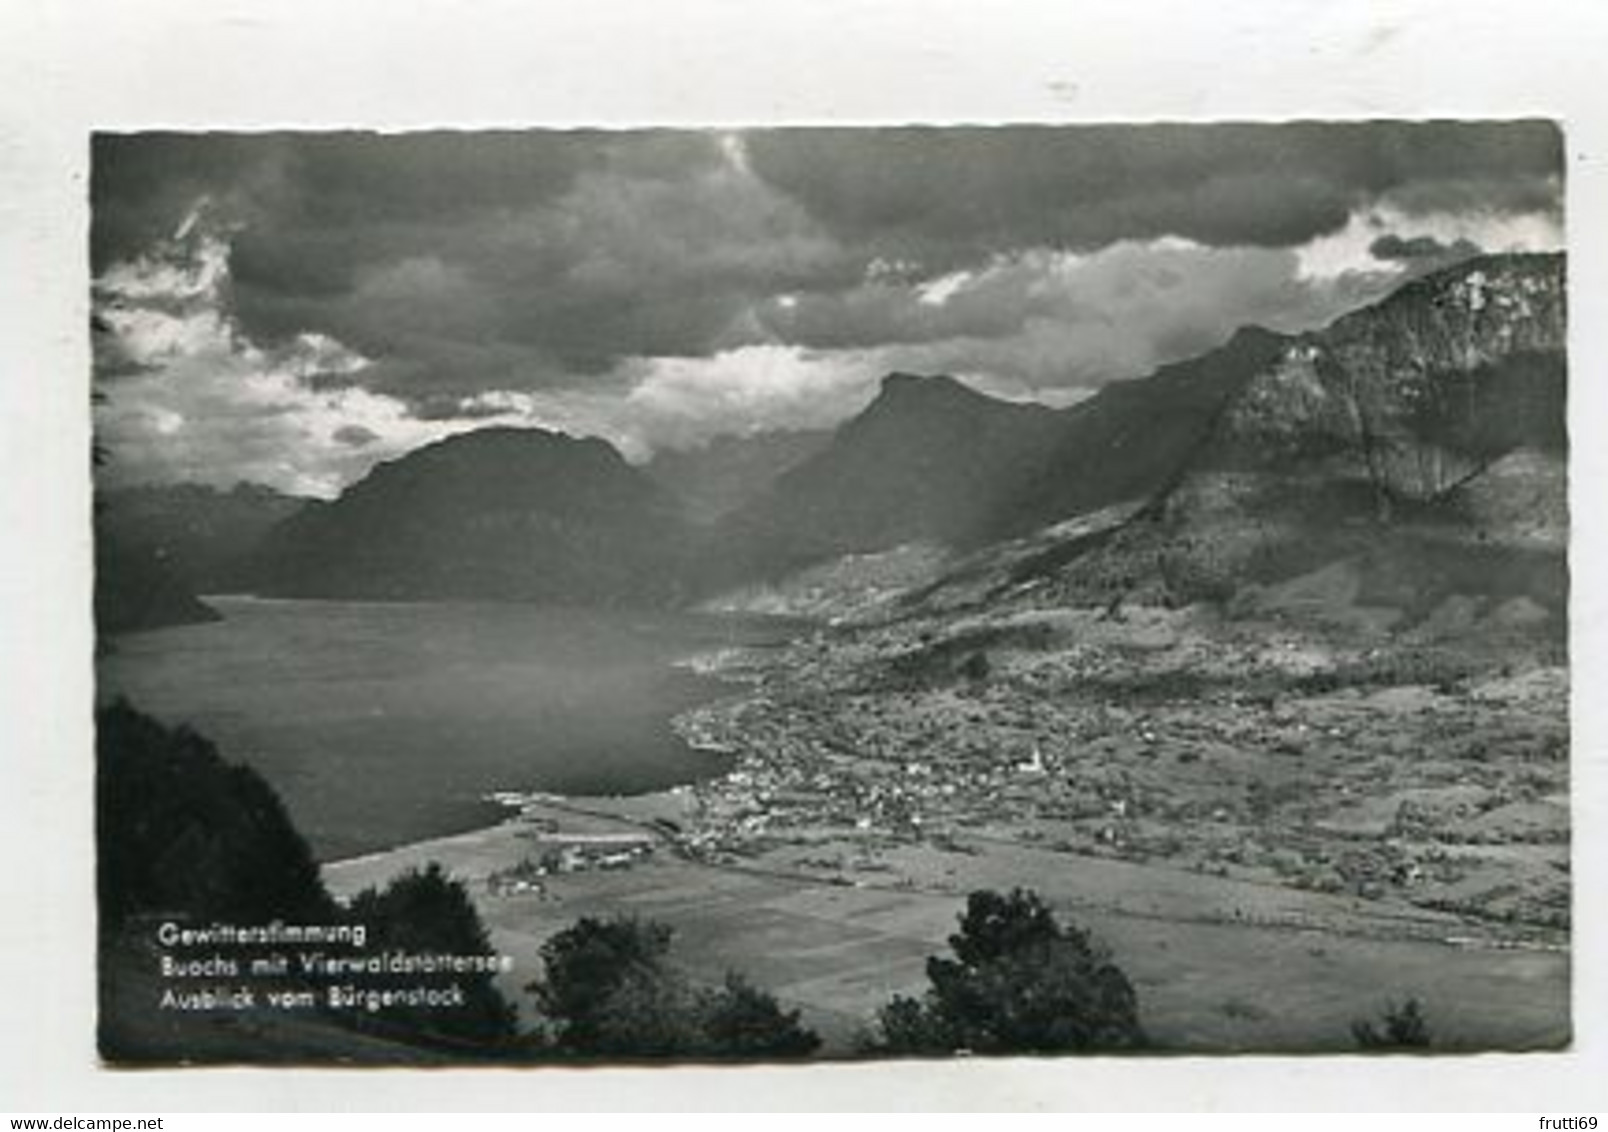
(382,723)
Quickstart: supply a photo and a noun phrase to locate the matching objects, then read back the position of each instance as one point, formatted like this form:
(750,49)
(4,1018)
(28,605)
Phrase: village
(1294,769)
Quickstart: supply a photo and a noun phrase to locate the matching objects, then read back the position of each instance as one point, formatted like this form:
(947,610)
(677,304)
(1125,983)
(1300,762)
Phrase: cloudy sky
(291,308)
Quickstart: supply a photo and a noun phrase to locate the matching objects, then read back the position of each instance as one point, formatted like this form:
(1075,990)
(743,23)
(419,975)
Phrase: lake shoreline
(439,707)
(735,667)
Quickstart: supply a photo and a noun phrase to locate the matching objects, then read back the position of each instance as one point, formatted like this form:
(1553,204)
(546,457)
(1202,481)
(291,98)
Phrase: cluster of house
(801,770)
(792,783)
(570,853)
(578,852)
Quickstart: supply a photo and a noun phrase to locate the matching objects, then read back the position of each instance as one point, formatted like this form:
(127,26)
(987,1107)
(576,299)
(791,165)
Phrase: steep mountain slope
(500,513)
(929,459)
(1418,446)
(1134,438)
(201,535)
(932,460)
(1422,390)
(726,473)
(1408,441)
(135,591)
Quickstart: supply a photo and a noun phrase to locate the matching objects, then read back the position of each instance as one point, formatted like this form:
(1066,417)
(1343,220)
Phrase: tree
(425,911)
(976,666)
(183,834)
(740,1020)
(591,969)
(179,831)
(609,990)
(1404,1028)
(908,1025)
(1018,982)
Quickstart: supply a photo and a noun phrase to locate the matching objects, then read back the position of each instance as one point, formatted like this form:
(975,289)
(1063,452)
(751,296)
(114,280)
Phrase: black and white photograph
(769,594)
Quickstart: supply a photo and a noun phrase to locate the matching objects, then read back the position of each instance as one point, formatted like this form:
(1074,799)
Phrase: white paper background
(68,68)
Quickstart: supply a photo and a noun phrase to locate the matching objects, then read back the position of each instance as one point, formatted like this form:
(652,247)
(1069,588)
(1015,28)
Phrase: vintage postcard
(761,594)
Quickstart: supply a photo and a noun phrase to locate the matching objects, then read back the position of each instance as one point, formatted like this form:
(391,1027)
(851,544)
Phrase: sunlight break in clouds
(292,307)
(1350,249)
(189,397)
(651,404)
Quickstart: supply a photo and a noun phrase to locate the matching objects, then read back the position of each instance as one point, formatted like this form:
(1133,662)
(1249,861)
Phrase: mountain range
(157,547)
(1423,435)
(498,513)
(1400,439)
(203,536)
(720,477)
(1416,451)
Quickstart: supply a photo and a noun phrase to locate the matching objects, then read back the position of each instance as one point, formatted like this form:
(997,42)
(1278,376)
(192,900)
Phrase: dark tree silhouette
(1405,1028)
(975,666)
(609,990)
(180,831)
(740,1020)
(425,911)
(1018,982)
(591,967)
(182,834)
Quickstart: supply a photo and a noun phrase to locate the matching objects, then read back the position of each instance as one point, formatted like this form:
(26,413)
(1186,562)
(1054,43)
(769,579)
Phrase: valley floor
(1276,831)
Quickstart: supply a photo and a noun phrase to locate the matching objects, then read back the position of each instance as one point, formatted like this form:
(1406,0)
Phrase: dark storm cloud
(142,186)
(462,263)
(1421,250)
(452,407)
(946,196)
(354,436)
(326,198)
(1119,312)
(527,259)
(330,381)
